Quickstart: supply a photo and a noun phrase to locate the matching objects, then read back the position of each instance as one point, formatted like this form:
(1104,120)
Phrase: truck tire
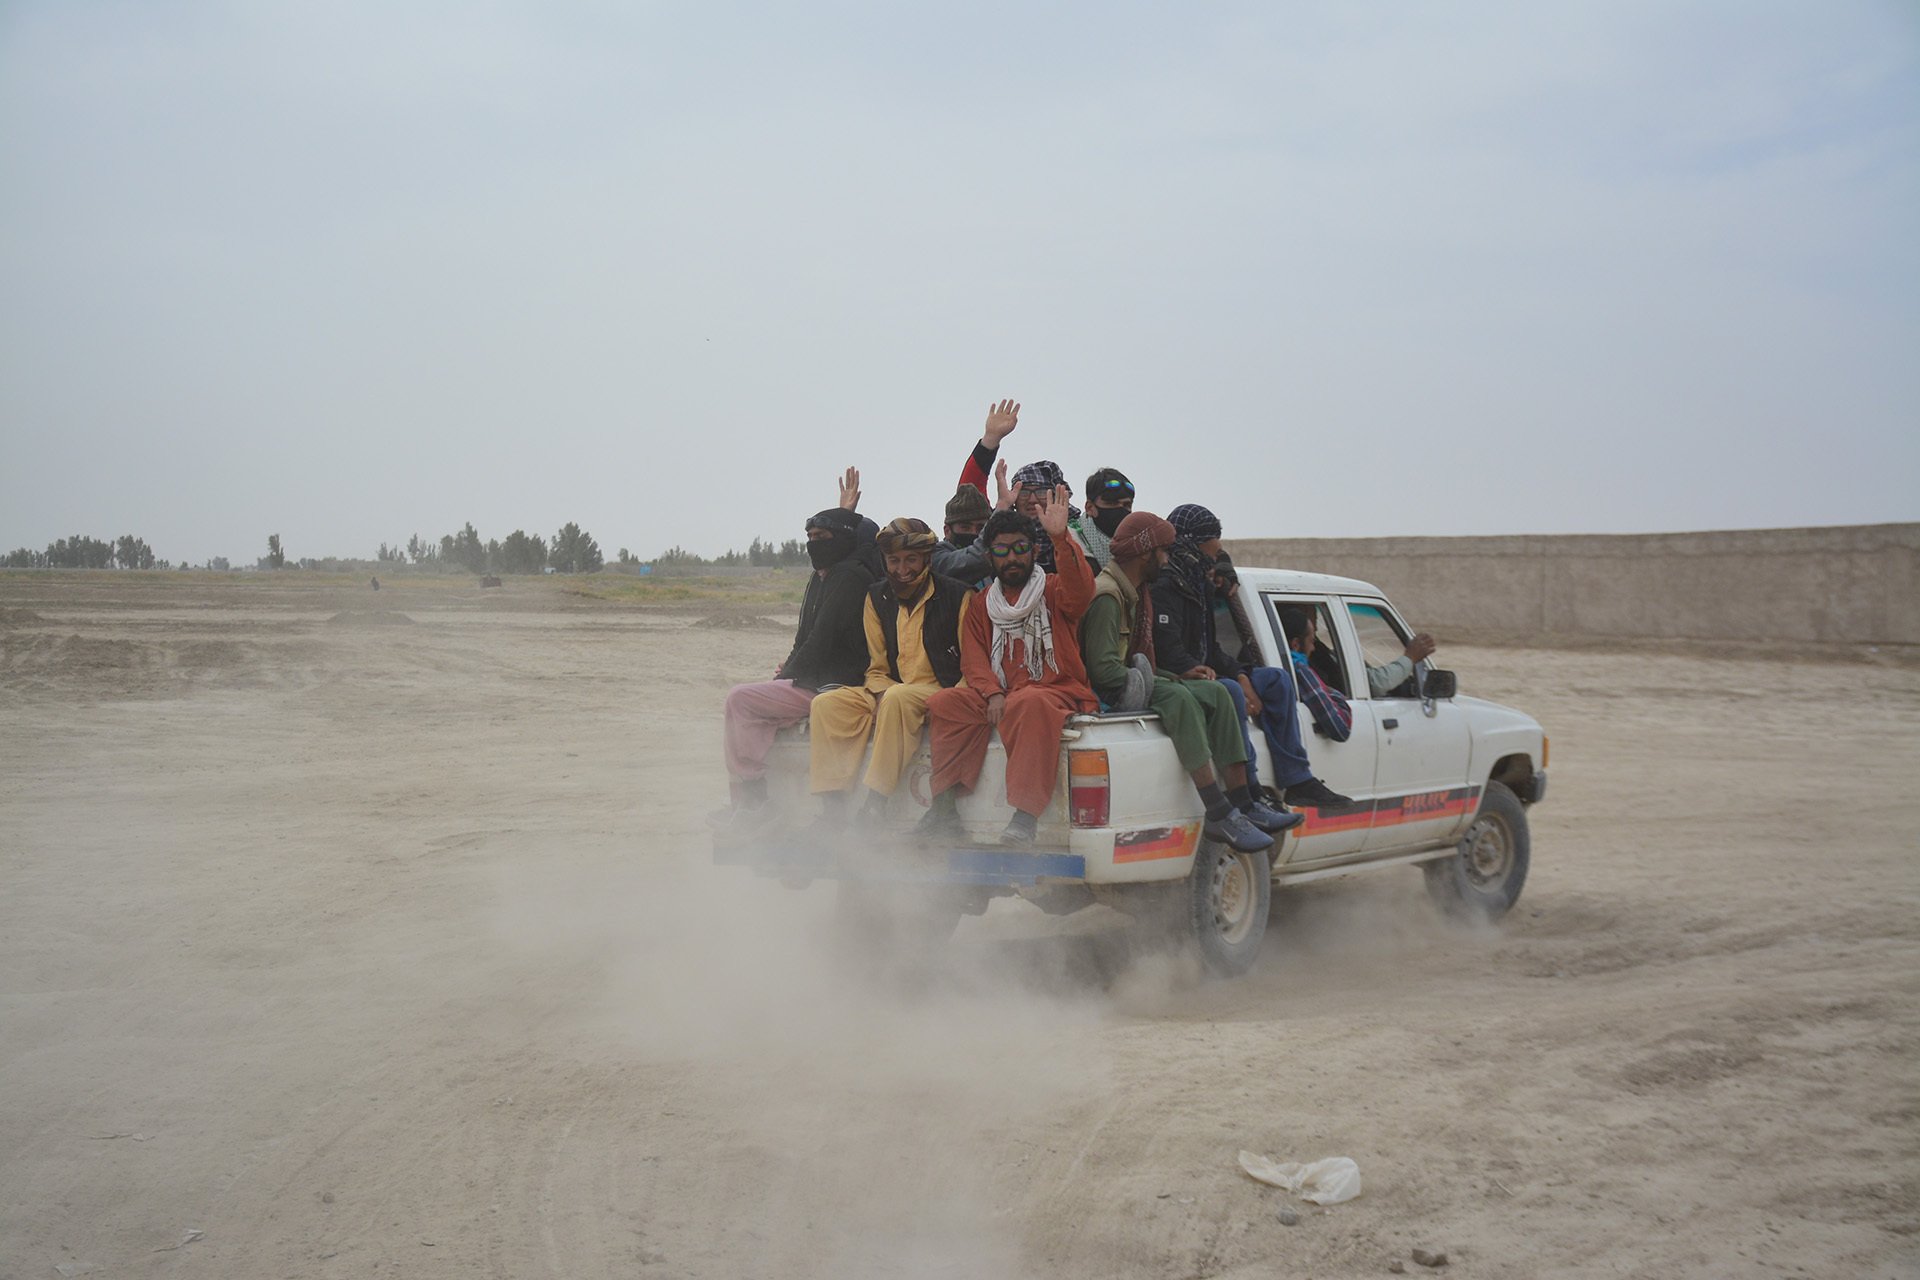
(1225,902)
(1483,880)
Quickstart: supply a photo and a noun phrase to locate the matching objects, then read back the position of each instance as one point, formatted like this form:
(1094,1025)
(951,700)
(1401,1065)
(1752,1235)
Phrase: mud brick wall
(1852,584)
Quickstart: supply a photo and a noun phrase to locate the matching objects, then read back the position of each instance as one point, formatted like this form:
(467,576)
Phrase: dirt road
(371,944)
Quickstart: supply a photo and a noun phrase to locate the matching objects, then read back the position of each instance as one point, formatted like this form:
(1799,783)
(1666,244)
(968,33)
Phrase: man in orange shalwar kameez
(1020,657)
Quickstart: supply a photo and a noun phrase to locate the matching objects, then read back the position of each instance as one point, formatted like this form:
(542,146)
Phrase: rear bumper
(971,866)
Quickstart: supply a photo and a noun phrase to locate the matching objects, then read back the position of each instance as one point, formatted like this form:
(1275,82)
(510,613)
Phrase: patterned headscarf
(1045,475)
(1193,521)
(1187,564)
(906,534)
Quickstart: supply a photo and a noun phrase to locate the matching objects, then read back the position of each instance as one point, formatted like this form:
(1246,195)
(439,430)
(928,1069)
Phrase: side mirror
(1439,684)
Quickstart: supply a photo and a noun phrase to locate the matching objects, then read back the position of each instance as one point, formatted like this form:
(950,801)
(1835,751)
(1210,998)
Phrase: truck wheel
(1226,902)
(1484,878)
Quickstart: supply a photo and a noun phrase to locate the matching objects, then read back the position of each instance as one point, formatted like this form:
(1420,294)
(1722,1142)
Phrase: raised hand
(1005,494)
(1002,418)
(1420,646)
(1053,512)
(850,490)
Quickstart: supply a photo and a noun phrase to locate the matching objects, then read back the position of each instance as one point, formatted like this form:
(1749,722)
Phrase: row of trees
(760,553)
(84,552)
(572,550)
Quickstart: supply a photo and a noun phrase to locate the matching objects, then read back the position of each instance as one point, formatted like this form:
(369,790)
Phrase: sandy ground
(370,947)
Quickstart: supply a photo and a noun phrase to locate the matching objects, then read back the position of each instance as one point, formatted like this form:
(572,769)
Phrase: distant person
(829,650)
(1020,656)
(376,584)
(1197,715)
(1332,716)
(911,620)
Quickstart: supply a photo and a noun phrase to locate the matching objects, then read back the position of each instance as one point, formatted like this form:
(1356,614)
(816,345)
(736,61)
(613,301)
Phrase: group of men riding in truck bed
(1027,612)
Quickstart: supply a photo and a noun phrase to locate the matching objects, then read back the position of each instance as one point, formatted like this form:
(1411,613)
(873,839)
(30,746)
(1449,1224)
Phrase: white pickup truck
(1438,780)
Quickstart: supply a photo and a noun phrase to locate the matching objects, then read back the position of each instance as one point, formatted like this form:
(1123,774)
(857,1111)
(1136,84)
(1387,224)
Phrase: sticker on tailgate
(1150,843)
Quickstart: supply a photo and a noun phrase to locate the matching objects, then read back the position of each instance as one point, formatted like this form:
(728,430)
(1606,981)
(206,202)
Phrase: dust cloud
(398,948)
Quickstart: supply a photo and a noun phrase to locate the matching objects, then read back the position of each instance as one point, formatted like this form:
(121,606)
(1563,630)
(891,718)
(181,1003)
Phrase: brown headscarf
(906,534)
(909,534)
(1138,536)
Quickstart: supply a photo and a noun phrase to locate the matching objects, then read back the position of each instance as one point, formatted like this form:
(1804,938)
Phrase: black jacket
(968,564)
(831,645)
(939,626)
(1183,634)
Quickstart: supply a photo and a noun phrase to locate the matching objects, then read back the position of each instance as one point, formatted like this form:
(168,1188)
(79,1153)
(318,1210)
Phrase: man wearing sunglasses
(1109,501)
(1020,655)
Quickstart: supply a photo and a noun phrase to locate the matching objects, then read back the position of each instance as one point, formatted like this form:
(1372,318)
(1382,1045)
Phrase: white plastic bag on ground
(1328,1181)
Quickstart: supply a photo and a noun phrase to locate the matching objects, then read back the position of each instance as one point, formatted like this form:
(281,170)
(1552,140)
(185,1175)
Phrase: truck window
(1380,641)
(1326,660)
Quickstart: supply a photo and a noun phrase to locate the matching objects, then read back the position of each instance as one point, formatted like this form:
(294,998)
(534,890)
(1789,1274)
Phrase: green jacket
(1106,633)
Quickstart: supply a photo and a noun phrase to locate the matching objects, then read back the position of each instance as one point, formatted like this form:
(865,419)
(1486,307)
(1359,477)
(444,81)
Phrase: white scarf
(1027,618)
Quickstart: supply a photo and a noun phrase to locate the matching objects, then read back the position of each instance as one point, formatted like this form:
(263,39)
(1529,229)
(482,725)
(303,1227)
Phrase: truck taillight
(1087,789)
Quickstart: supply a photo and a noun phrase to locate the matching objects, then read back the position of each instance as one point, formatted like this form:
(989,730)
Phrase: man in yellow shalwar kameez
(913,651)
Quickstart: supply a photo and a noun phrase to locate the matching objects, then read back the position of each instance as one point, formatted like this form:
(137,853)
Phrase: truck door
(1347,767)
(1420,782)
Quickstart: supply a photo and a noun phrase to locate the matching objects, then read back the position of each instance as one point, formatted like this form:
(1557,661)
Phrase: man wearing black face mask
(1109,501)
(829,649)
(961,555)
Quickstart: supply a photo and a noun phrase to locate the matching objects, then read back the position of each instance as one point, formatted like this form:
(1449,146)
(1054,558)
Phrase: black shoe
(1018,835)
(1272,821)
(1235,830)
(1317,795)
(939,825)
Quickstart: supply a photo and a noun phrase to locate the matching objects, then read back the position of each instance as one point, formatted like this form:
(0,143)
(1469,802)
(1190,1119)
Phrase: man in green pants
(1198,715)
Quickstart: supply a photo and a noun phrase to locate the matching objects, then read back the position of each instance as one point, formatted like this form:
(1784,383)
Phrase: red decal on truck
(1150,843)
(1420,806)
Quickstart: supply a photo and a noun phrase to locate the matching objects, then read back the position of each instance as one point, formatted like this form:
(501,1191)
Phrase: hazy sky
(351,271)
